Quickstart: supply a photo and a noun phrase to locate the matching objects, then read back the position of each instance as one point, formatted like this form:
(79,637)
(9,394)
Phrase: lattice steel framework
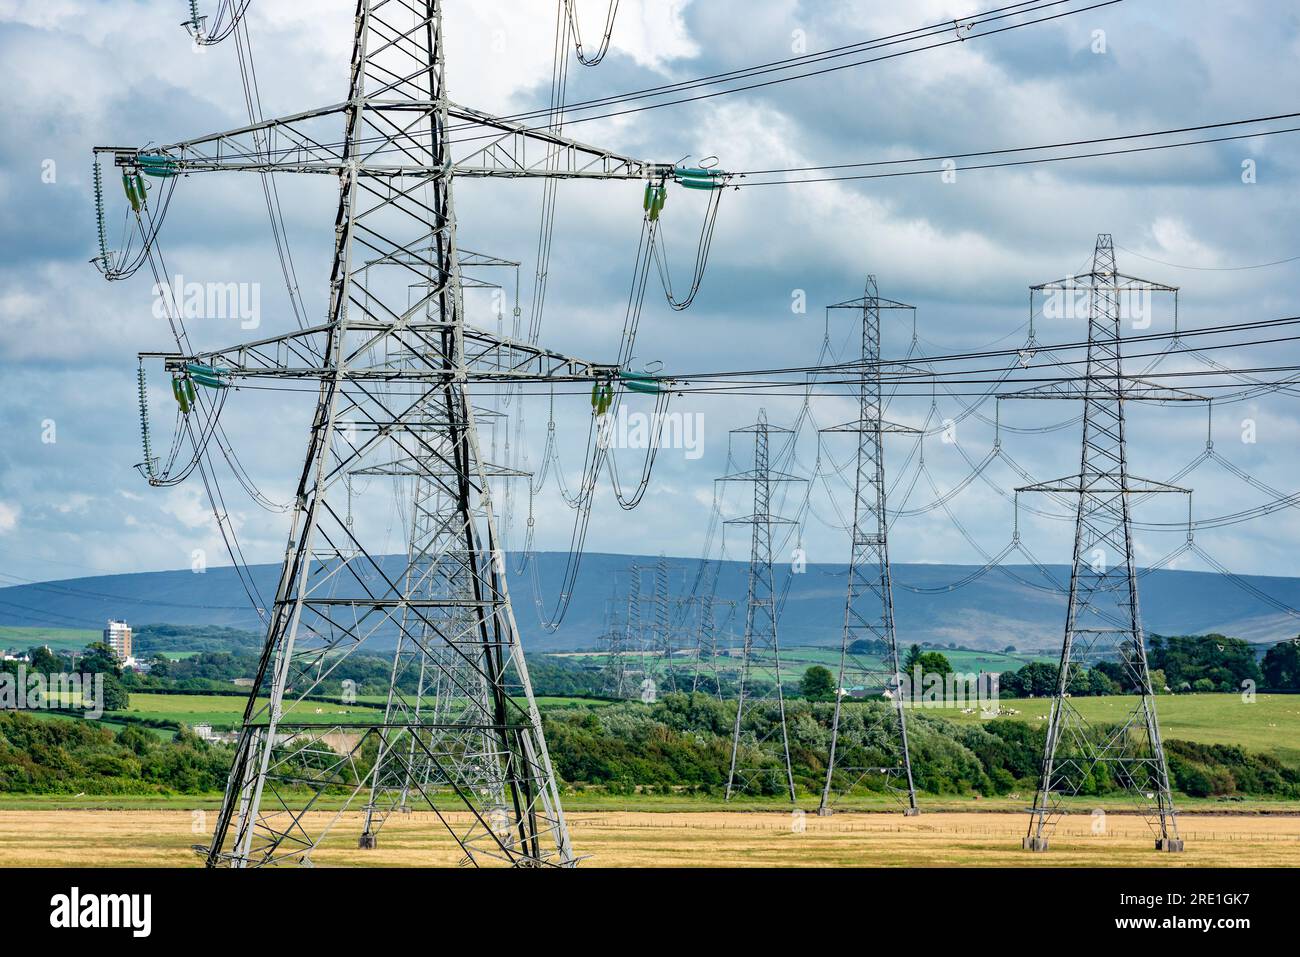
(614,673)
(393,379)
(620,678)
(658,646)
(705,605)
(761,647)
(869,665)
(1103,623)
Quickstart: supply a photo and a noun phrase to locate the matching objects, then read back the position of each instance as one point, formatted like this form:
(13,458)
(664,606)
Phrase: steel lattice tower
(1103,622)
(454,691)
(614,670)
(869,606)
(657,650)
(623,636)
(761,614)
(394,378)
(705,605)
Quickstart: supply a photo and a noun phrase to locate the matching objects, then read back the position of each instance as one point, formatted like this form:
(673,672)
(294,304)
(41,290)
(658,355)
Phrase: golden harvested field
(650,839)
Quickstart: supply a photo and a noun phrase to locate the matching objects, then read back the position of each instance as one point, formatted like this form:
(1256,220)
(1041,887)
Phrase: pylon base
(367,841)
(1038,844)
(824,812)
(1174,845)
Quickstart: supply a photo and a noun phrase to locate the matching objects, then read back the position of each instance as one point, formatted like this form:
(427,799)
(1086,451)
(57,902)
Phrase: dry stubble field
(659,839)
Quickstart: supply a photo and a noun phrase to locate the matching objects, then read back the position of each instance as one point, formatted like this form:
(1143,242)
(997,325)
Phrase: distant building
(242,682)
(118,637)
(205,732)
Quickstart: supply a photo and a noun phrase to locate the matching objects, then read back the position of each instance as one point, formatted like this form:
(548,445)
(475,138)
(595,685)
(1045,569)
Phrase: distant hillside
(991,612)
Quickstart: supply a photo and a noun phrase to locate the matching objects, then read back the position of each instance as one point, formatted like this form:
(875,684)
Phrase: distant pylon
(657,651)
(761,646)
(622,679)
(1103,625)
(614,677)
(868,647)
(707,652)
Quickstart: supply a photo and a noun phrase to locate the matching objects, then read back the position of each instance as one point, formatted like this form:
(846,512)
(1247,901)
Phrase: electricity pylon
(1103,626)
(706,603)
(393,393)
(618,637)
(657,649)
(448,689)
(760,619)
(868,646)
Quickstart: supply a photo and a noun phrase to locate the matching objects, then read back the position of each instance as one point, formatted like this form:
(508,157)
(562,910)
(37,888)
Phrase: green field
(543,701)
(797,658)
(1271,723)
(17,638)
(105,722)
(224,712)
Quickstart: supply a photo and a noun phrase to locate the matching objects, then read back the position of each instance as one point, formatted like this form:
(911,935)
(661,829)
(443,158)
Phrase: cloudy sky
(121,72)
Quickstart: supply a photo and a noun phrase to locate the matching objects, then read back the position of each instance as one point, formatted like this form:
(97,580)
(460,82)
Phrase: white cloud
(84,74)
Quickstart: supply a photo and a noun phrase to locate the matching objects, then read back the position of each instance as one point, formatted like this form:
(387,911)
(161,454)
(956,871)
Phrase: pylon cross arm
(1102,484)
(869,425)
(298,355)
(755,475)
(520,150)
(312,142)
(1130,389)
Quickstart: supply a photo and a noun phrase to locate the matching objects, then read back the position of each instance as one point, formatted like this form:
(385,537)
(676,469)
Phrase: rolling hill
(1001,608)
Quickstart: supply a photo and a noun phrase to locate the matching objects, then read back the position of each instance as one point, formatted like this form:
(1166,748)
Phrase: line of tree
(52,755)
(682,743)
(1178,664)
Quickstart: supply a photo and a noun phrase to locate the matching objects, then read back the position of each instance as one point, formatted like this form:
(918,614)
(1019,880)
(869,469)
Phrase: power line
(633,95)
(1025,162)
(1275,262)
(1022,149)
(893,39)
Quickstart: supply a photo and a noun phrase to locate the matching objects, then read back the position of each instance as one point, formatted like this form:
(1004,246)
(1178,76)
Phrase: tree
(1010,686)
(1225,662)
(44,661)
(116,697)
(1009,650)
(910,661)
(1282,666)
(1037,679)
(160,666)
(932,662)
(1099,683)
(99,658)
(868,646)
(818,684)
